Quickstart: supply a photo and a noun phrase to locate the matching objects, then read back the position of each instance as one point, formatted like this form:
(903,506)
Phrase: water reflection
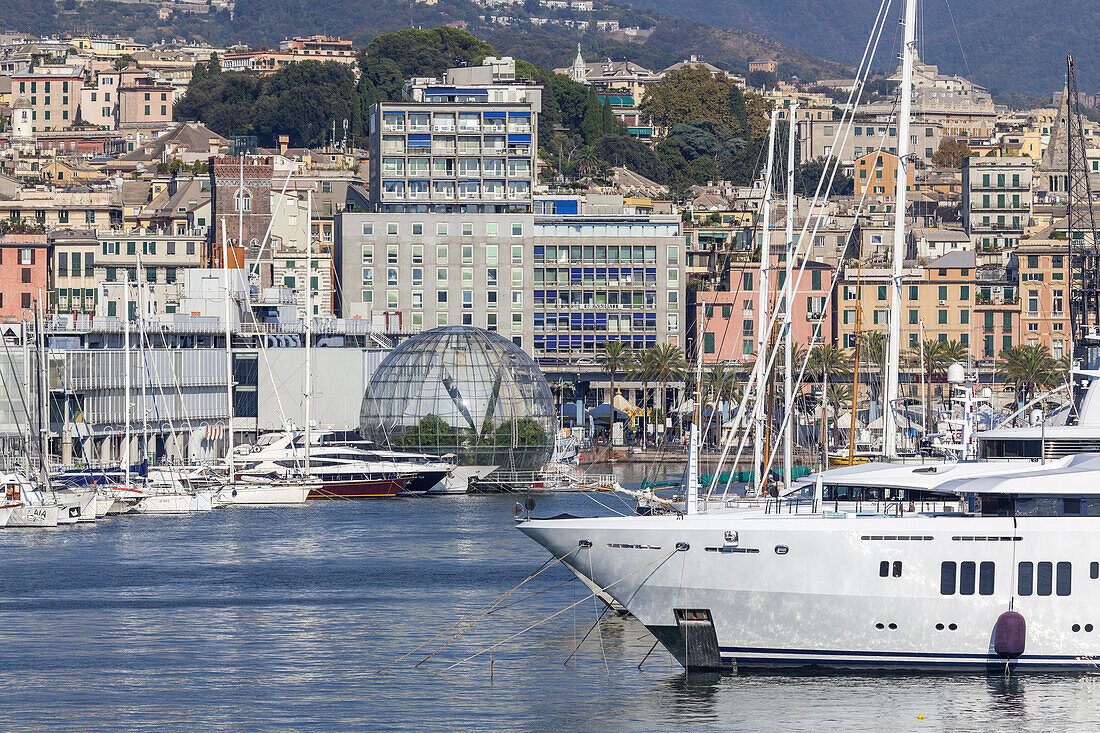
(280,619)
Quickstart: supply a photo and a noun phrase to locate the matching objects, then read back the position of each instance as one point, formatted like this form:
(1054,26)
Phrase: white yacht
(341,469)
(1009,574)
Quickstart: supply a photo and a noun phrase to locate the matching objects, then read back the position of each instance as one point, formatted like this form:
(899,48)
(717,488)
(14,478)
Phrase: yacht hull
(848,592)
(164,504)
(264,495)
(41,515)
(359,488)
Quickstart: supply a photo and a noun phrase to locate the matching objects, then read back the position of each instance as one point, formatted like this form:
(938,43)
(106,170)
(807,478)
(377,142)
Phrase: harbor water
(281,618)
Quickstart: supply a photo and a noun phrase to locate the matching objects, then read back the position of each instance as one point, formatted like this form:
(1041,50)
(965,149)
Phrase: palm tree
(642,370)
(825,361)
(588,163)
(930,356)
(668,364)
(1028,368)
(838,396)
(720,387)
(615,356)
(873,346)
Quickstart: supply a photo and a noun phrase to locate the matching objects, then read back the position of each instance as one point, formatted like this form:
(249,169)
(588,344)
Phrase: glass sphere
(463,391)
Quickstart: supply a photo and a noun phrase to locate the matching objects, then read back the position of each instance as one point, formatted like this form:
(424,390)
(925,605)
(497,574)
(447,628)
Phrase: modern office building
(558,284)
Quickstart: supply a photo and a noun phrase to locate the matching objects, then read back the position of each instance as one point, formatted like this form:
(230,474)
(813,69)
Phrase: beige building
(144,103)
(161,255)
(937,297)
(1044,294)
(54,93)
(73,260)
(58,208)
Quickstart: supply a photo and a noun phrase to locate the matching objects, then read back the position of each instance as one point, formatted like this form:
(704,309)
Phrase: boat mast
(141,350)
(126,339)
(228,346)
(761,316)
(691,500)
(893,346)
(788,297)
(309,315)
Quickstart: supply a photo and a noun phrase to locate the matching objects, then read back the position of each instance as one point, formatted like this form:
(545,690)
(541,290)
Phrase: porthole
(781,549)
(1088,627)
(879,626)
(1075,628)
(893,626)
(952,627)
(939,627)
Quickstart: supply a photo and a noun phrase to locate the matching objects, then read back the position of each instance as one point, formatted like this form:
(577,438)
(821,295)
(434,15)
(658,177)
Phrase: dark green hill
(1009,45)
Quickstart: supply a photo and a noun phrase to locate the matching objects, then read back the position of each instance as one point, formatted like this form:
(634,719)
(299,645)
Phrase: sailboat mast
(228,349)
(893,345)
(126,356)
(761,315)
(141,351)
(788,298)
(691,500)
(309,316)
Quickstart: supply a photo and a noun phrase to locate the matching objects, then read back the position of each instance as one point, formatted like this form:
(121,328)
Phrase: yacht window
(985,579)
(897,568)
(966,579)
(1065,570)
(883,569)
(1094,570)
(1044,578)
(1071,507)
(947,579)
(1027,570)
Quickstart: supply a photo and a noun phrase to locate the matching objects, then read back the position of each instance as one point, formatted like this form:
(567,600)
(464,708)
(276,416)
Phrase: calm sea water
(279,619)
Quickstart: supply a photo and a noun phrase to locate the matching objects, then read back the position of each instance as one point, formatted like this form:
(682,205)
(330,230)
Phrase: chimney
(284,143)
(214,146)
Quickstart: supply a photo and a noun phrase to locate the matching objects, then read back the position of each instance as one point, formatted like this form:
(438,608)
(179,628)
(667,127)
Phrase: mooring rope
(558,613)
(476,615)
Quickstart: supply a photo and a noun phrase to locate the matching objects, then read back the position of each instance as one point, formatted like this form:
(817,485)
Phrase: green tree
(827,361)
(592,122)
(429,52)
(1029,369)
(686,94)
(614,357)
(950,153)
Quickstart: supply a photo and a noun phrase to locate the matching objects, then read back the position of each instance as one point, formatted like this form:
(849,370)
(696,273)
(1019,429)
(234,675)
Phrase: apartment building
(151,261)
(1044,272)
(730,316)
(54,93)
(937,300)
(24,274)
(73,261)
(466,143)
(996,310)
(876,173)
(144,103)
(996,203)
(63,207)
(821,134)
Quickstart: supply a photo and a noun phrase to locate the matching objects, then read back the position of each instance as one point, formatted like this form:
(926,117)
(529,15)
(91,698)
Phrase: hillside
(265,22)
(1012,46)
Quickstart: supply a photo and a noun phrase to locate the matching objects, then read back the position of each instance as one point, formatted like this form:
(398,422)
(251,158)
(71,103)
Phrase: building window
(244,200)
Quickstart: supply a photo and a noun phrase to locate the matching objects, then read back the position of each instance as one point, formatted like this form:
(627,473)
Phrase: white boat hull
(164,504)
(40,515)
(264,494)
(780,597)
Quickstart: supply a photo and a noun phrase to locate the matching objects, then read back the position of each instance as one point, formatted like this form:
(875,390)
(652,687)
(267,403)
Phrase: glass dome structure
(465,391)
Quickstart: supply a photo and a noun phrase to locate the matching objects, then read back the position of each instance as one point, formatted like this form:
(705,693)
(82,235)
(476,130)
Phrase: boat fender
(1009,635)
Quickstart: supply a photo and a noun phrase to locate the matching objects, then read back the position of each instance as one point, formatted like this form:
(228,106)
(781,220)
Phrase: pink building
(729,329)
(23,275)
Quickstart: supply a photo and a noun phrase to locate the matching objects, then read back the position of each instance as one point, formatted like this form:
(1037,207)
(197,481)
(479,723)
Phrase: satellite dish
(956,374)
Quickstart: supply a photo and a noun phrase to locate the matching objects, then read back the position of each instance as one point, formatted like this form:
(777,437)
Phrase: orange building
(24,264)
(877,172)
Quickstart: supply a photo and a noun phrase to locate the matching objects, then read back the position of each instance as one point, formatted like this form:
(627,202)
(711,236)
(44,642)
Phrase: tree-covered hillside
(1009,46)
